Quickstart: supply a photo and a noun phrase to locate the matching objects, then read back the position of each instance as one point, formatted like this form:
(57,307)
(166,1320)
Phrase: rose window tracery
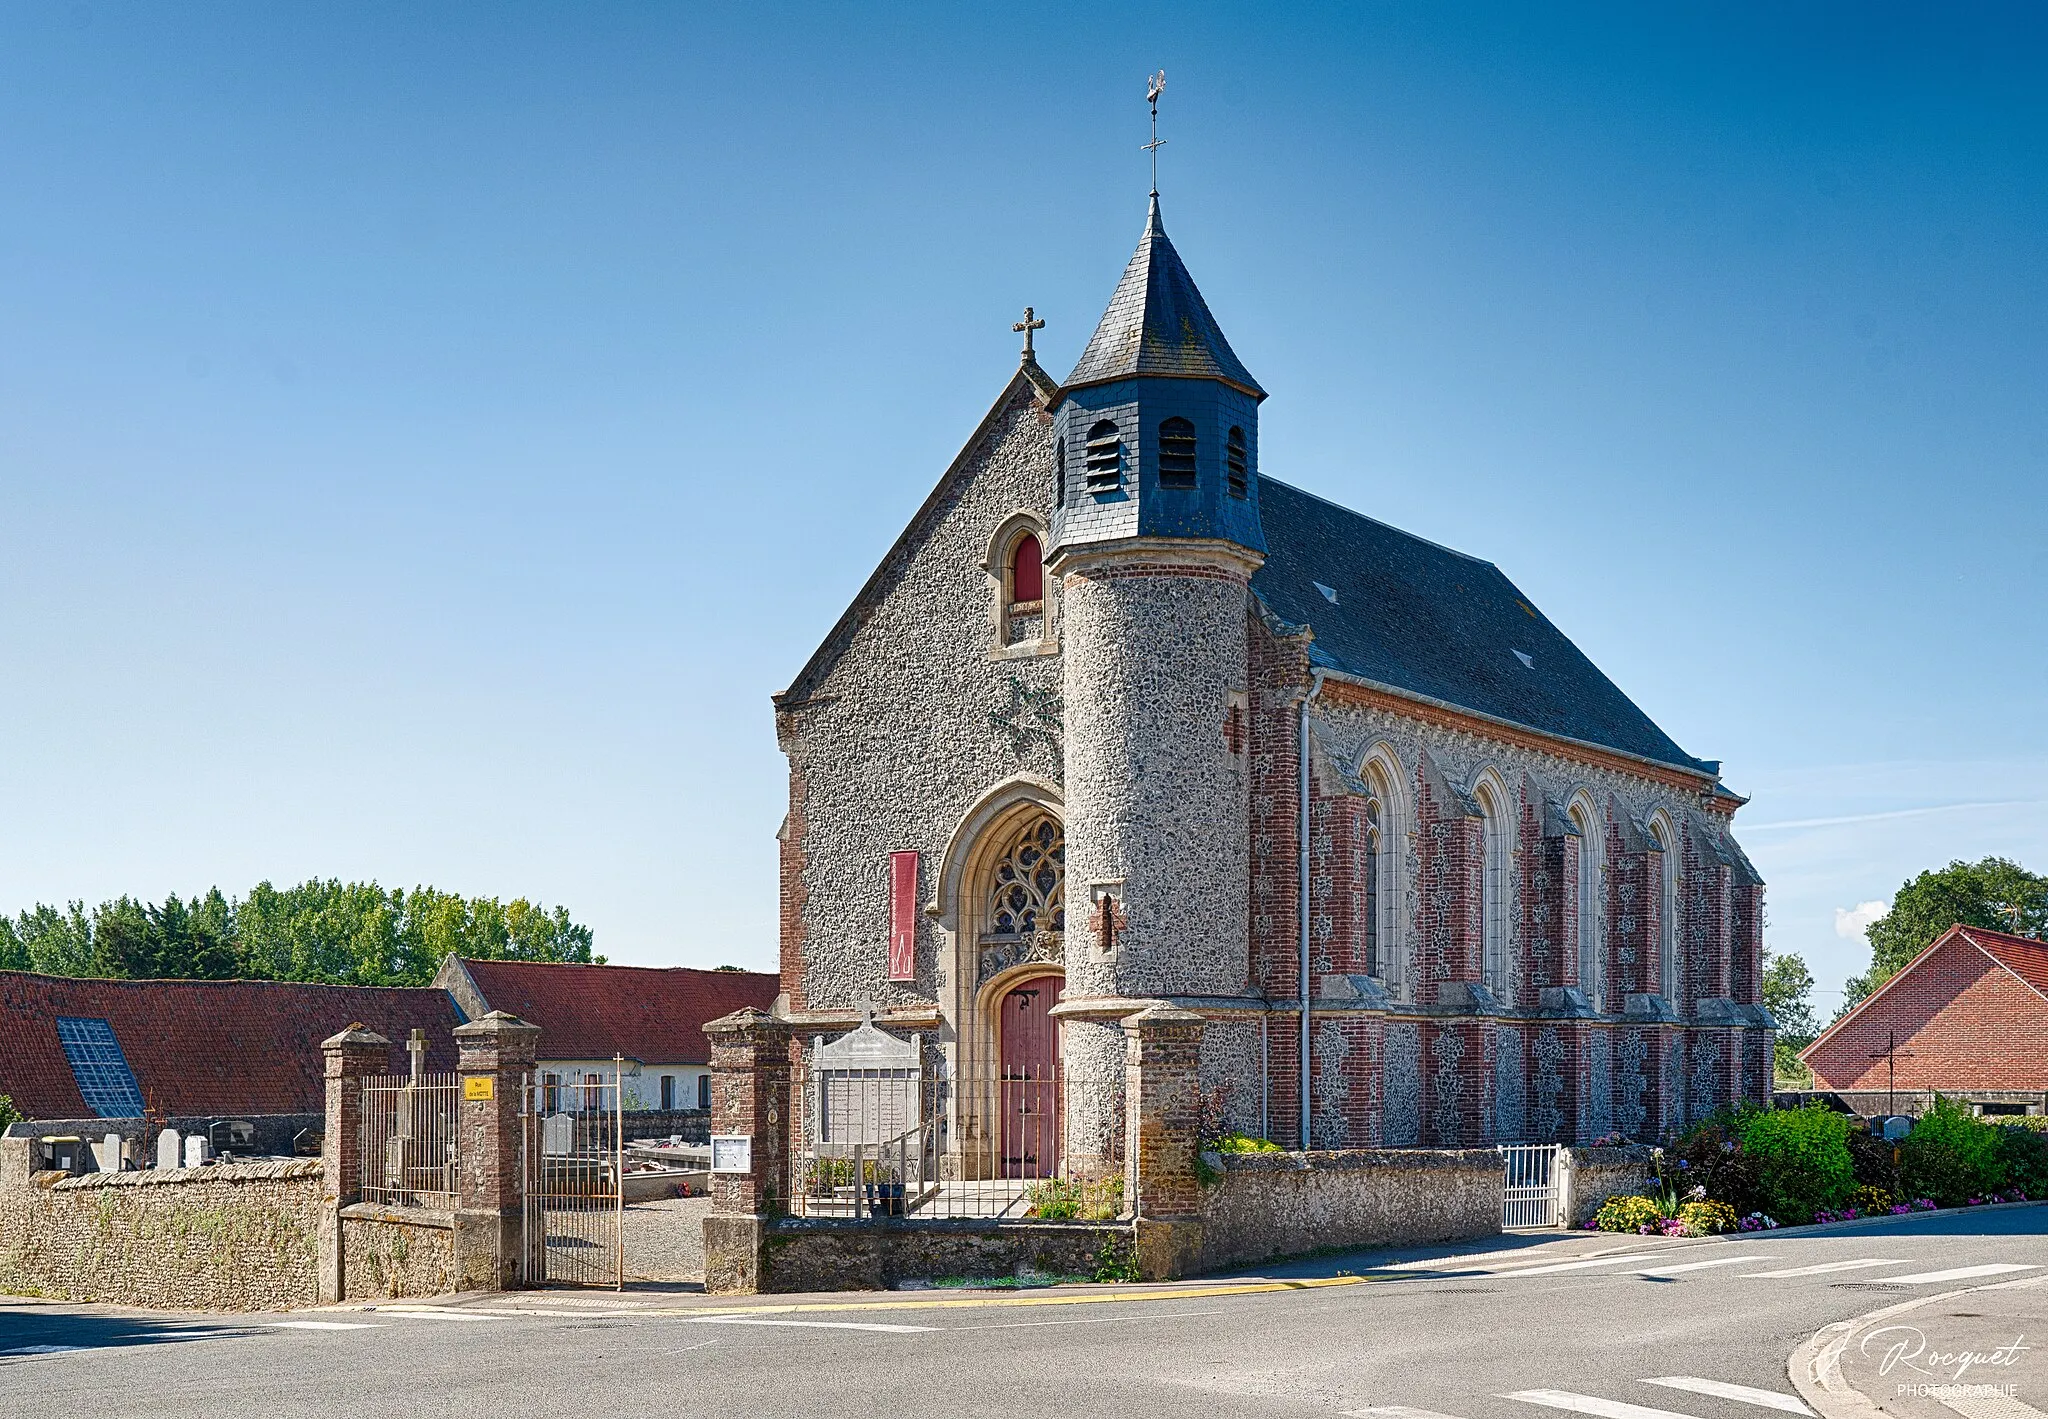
(1028,894)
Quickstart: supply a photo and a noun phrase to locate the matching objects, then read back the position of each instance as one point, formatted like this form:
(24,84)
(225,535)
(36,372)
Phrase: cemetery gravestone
(197,1151)
(167,1149)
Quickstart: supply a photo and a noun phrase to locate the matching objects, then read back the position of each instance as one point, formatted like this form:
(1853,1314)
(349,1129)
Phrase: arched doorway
(1028,1045)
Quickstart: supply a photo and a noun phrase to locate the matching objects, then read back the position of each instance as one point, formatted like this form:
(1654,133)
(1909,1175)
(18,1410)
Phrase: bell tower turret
(1155,541)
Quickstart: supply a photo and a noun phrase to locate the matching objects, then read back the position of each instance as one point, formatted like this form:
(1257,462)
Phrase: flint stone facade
(1526,917)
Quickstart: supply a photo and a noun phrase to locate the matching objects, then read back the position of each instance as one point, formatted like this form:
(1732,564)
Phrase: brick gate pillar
(1162,1095)
(351,1056)
(750,1098)
(496,1053)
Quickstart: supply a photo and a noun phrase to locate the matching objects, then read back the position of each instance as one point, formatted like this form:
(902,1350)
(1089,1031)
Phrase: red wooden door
(1030,1090)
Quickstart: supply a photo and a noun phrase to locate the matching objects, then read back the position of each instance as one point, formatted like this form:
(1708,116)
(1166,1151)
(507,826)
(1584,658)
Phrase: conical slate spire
(1158,324)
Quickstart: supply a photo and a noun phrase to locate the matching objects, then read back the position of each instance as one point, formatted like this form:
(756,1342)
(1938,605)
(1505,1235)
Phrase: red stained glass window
(1027,571)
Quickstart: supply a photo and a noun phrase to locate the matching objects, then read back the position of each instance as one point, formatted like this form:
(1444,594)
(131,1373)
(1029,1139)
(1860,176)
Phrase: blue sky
(428,434)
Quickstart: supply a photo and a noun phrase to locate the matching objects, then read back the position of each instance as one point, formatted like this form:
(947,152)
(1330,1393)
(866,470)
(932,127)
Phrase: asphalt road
(1570,1327)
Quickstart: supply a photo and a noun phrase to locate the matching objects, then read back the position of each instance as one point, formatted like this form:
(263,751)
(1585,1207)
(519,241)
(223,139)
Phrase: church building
(1122,719)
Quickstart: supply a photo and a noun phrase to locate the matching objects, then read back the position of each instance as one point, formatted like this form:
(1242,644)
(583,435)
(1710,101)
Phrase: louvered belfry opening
(1237,462)
(1105,457)
(1176,454)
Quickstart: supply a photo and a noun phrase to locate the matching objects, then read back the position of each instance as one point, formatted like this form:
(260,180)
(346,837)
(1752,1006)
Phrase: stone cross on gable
(1027,325)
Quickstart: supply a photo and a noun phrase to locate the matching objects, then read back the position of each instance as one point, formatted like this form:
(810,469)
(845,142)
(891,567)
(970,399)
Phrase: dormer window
(1176,454)
(1237,462)
(1105,457)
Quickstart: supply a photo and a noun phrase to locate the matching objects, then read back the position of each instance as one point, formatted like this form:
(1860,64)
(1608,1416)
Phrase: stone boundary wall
(1596,1174)
(798,1256)
(1272,1205)
(230,1237)
(390,1254)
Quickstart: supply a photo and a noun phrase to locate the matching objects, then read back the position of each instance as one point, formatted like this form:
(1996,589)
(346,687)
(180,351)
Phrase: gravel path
(665,1239)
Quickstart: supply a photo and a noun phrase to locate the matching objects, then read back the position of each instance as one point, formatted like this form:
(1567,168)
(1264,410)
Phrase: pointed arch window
(1103,457)
(1176,454)
(1369,872)
(1494,888)
(1027,574)
(1666,839)
(1237,463)
(1590,965)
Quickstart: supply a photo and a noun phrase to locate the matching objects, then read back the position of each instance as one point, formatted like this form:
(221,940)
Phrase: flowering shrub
(1608,1140)
(1704,1219)
(1899,1209)
(1802,1156)
(1871,1200)
(1951,1155)
(1757,1222)
(1628,1214)
(1846,1214)
(2024,1152)
(1923,1204)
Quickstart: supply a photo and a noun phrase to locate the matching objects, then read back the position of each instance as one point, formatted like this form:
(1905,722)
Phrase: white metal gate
(1533,1175)
(574,1144)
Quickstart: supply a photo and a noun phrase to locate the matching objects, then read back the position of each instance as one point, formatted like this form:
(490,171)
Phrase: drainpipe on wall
(1315,688)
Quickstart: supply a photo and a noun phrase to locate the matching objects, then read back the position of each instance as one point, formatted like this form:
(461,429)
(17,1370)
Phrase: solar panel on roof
(105,1081)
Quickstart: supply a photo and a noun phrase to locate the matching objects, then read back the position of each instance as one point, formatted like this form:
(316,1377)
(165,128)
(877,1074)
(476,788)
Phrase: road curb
(1815,1367)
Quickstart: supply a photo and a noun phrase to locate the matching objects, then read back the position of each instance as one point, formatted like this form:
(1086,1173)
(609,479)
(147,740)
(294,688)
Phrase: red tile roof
(2022,955)
(655,1015)
(205,1047)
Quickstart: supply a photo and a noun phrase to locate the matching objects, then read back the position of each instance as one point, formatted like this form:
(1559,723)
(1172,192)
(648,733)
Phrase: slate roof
(1420,618)
(1158,324)
(655,1015)
(206,1047)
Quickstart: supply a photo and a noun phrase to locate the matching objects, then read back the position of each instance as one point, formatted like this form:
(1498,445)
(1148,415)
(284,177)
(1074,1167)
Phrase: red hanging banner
(902,916)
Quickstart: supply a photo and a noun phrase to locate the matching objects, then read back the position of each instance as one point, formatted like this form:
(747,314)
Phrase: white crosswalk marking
(1961,1273)
(1393,1411)
(1741,1394)
(1703,1265)
(317,1325)
(1554,1269)
(1592,1404)
(1821,1270)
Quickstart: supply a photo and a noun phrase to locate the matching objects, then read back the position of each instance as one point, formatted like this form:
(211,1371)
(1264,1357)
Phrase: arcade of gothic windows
(1028,891)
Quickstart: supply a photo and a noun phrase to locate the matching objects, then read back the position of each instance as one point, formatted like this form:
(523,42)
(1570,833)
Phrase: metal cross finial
(1154,87)
(1027,325)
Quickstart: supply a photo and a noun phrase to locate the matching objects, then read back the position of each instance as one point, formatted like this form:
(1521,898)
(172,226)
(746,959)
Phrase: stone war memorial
(1145,809)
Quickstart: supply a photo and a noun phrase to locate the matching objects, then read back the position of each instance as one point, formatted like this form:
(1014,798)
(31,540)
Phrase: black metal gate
(574,1156)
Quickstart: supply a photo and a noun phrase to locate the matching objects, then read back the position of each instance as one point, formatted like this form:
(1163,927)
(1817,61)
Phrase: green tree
(56,943)
(346,933)
(1788,995)
(1996,894)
